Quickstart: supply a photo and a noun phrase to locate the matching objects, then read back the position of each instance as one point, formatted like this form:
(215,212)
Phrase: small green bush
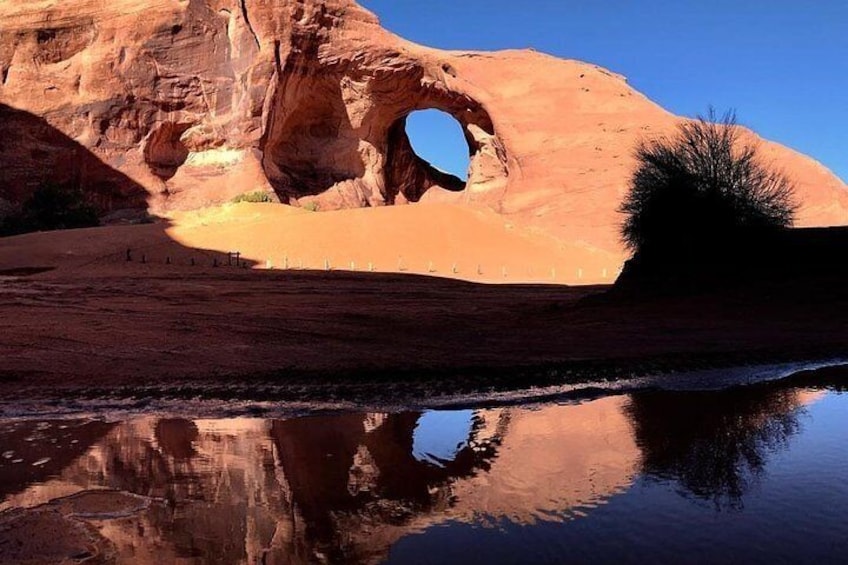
(311,206)
(257,196)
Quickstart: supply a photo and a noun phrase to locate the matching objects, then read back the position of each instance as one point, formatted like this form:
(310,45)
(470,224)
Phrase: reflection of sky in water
(439,435)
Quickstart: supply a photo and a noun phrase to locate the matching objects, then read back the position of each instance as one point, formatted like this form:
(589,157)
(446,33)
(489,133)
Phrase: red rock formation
(202,100)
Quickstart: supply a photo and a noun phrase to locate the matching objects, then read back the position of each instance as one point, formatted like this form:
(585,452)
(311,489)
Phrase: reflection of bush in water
(714,444)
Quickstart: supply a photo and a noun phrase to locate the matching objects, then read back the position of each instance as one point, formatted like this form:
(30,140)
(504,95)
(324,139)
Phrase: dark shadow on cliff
(49,181)
(33,154)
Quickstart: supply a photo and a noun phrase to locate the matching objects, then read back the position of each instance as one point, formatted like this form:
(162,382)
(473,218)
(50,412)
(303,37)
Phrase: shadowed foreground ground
(131,324)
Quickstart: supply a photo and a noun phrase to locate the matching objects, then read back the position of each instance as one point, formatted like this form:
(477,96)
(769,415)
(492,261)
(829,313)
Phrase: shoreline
(266,399)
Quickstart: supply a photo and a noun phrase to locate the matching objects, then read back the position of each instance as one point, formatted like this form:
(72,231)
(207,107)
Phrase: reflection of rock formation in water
(341,487)
(552,462)
(32,451)
(213,484)
(359,486)
(714,444)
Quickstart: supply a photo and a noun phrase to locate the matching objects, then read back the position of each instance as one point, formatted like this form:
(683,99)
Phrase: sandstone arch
(340,138)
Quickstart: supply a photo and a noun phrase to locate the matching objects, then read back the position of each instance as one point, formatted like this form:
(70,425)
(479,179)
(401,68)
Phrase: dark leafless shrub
(700,188)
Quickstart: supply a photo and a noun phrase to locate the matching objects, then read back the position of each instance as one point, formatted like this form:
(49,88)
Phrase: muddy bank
(297,395)
(65,530)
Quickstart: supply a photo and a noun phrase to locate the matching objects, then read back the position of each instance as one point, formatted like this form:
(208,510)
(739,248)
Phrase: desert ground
(176,109)
(76,312)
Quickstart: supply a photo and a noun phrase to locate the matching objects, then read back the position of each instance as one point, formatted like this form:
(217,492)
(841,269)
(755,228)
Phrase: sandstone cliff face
(177,104)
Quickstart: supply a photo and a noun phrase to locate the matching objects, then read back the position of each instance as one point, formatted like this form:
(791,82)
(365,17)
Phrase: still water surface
(751,474)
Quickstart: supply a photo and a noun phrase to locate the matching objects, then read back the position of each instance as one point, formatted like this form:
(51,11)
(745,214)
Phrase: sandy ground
(445,240)
(454,241)
(96,318)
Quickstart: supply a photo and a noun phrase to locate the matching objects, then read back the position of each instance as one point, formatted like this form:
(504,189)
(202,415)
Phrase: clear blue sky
(783,65)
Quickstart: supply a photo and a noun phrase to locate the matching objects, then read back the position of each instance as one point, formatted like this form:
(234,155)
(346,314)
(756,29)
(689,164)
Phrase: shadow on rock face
(33,153)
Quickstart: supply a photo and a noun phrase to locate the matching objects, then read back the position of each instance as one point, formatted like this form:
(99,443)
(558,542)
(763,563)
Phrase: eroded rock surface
(180,104)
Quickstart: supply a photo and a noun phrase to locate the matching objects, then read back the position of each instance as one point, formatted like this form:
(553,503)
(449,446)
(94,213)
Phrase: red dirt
(98,319)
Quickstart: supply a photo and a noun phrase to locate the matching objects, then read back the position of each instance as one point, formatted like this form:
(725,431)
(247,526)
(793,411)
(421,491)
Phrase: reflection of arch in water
(439,435)
(343,470)
(518,464)
(345,486)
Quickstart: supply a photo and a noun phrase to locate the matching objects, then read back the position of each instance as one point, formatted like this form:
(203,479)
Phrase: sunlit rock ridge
(191,102)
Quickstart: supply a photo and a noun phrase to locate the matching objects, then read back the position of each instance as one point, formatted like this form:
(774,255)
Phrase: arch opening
(438,138)
(442,139)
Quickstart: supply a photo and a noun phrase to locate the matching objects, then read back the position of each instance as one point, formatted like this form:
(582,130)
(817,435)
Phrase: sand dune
(444,240)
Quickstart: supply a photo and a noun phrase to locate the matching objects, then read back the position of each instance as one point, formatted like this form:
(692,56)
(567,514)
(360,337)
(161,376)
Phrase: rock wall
(192,102)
